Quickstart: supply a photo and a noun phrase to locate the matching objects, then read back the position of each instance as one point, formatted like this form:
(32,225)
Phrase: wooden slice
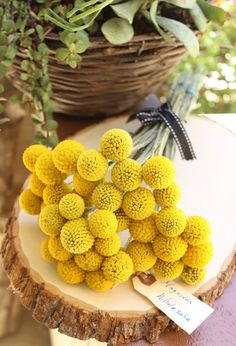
(122,315)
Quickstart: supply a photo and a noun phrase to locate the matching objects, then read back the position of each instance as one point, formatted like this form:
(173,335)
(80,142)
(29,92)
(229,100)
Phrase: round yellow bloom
(197,230)
(127,175)
(106,196)
(50,220)
(170,221)
(31,154)
(168,270)
(70,272)
(142,255)
(193,276)
(198,256)
(66,154)
(52,194)
(46,171)
(57,251)
(116,144)
(82,186)
(89,261)
(29,202)
(169,249)
(138,204)
(103,224)
(123,220)
(143,230)
(36,185)
(109,246)
(92,165)
(75,236)
(168,197)
(118,268)
(45,252)
(96,281)
(158,172)
(71,206)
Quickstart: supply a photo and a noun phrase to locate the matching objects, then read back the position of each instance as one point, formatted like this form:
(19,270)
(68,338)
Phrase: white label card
(187,311)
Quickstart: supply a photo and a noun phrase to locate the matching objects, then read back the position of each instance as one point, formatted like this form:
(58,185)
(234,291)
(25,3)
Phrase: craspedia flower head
(122,219)
(103,224)
(92,165)
(45,252)
(168,270)
(118,268)
(52,194)
(169,249)
(116,144)
(70,272)
(66,154)
(198,256)
(71,206)
(109,246)
(158,172)
(31,154)
(170,221)
(96,281)
(138,204)
(142,255)
(82,186)
(89,261)
(75,236)
(29,202)
(46,170)
(50,220)
(127,175)
(57,251)
(36,185)
(193,276)
(197,230)
(168,197)
(106,196)
(144,230)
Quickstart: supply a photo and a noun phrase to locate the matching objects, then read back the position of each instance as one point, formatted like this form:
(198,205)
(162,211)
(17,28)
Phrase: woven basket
(110,79)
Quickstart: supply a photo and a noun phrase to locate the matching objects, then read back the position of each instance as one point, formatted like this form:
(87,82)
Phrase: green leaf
(62,54)
(198,17)
(117,31)
(3,50)
(3,71)
(182,32)
(25,65)
(50,125)
(152,17)
(29,32)
(73,60)
(10,53)
(1,88)
(82,41)
(15,99)
(24,76)
(213,13)
(182,3)
(127,10)
(52,140)
(40,32)
(36,120)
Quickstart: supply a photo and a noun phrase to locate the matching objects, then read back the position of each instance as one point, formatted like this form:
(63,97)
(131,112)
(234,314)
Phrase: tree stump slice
(122,315)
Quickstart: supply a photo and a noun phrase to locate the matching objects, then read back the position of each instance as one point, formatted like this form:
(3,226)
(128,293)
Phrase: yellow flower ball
(71,206)
(127,175)
(31,154)
(89,261)
(169,249)
(66,154)
(29,202)
(75,236)
(168,197)
(96,281)
(50,220)
(82,186)
(118,268)
(106,196)
(138,204)
(36,185)
(46,170)
(198,256)
(142,255)
(52,194)
(168,270)
(109,246)
(92,165)
(116,144)
(193,276)
(170,221)
(158,172)
(103,224)
(144,230)
(197,230)
(57,251)
(70,272)
(123,220)
(45,252)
